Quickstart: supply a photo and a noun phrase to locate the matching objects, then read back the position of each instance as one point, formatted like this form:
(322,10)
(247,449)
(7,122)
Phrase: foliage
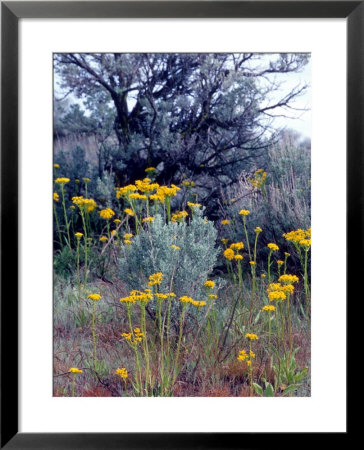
(185,270)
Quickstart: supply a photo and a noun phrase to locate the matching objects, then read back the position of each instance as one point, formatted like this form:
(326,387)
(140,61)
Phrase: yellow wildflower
(55,197)
(148,220)
(244,212)
(224,241)
(251,336)
(94,297)
(212,296)
(209,284)
(123,373)
(150,169)
(103,239)
(306,243)
(75,370)
(288,278)
(268,308)
(107,213)
(273,247)
(238,257)
(276,295)
(62,180)
(129,212)
(137,196)
(280,262)
(175,247)
(225,222)
(243,355)
(229,254)
(56,166)
(155,279)
(78,235)
(237,245)
(185,299)
(194,205)
(258,230)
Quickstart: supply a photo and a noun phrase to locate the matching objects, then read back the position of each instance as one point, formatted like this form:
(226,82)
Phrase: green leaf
(300,375)
(258,389)
(269,391)
(291,388)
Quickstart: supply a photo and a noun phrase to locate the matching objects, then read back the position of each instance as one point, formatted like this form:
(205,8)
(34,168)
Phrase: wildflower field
(161,301)
(190,276)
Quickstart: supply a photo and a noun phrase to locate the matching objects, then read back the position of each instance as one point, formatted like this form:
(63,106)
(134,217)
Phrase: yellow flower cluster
(243,355)
(225,222)
(129,212)
(276,295)
(161,296)
(125,191)
(258,230)
(117,221)
(137,196)
(137,296)
(209,284)
(280,262)
(146,186)
(244,212)
(134,337)
(306,243)
(56,166)
(166,191)
(75,370)
(194,205)
(148,220)
(175,247)
(155,278)
(251,336)
(86,204)
(150,169)
(185,299)
(62,180)
(259,178)
(197,303)
(179,216)
(78,235)
(55,197)
(94,297)
(107,213)
(123,373)
(237,246)
(224,241)
(229,254)
(297,235)
(103,239)
(212,296)
(273,247)
(86,180)
(286,278)
(268,308)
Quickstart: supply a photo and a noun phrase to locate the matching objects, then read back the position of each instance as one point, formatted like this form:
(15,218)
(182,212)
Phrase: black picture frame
(11,12)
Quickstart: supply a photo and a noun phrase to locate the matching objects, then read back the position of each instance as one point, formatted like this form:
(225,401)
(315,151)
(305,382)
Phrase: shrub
(185,268)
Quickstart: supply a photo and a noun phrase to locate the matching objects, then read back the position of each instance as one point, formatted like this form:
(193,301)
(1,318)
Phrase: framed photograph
(162,166)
